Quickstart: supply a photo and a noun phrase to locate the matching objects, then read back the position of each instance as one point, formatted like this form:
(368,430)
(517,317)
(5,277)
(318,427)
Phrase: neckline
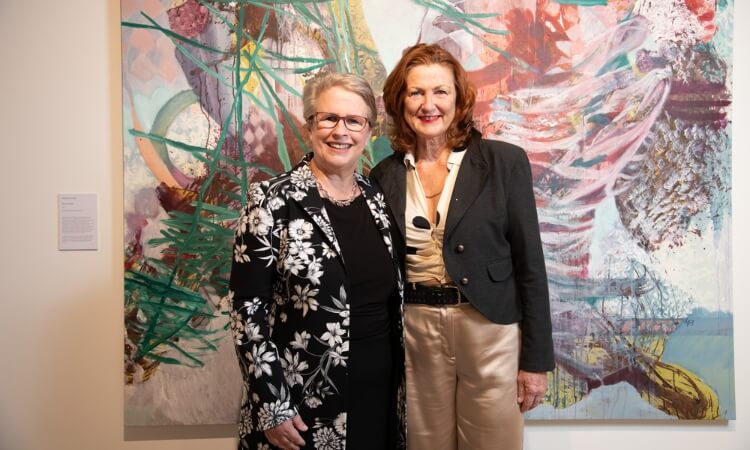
(355,201)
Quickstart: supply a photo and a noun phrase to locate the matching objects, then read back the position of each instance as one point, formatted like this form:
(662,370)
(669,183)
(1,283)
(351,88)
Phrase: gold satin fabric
(461,372)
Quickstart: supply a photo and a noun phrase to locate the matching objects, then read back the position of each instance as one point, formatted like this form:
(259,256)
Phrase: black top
(372,279)
(372,295)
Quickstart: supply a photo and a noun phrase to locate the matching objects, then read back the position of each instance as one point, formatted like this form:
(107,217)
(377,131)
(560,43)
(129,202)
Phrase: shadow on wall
(76,394)
(77,385)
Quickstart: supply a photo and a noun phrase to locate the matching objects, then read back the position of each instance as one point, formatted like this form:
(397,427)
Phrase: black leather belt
(433,295)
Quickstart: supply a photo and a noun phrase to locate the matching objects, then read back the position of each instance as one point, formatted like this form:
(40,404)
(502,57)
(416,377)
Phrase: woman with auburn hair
(477,317)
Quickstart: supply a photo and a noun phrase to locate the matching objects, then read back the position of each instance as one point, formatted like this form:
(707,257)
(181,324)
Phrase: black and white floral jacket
(290,315)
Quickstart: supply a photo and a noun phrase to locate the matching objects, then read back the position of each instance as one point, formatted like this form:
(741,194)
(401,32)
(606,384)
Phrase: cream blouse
(424,237)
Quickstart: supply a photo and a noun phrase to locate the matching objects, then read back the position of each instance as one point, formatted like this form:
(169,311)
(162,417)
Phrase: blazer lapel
(394,187)
(304,191)
(471,177)
(377,206)
(378,209)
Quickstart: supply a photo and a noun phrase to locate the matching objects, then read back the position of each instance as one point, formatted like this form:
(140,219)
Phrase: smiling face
(338,149)
(430,102)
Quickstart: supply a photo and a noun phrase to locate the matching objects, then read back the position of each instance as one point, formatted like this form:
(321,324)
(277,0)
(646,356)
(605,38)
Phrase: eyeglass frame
(314,118)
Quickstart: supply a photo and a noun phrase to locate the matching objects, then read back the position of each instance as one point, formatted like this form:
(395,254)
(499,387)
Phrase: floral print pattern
(290,316)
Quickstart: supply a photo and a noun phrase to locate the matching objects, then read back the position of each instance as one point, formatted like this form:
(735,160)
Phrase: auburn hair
(402,137)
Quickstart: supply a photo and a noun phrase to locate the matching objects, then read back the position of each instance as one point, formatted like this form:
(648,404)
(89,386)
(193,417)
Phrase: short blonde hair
(348,81)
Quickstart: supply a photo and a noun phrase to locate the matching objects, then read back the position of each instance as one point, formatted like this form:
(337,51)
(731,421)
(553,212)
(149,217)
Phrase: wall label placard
(78,227)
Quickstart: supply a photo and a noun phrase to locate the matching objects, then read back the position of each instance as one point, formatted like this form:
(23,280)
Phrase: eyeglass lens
(330,120)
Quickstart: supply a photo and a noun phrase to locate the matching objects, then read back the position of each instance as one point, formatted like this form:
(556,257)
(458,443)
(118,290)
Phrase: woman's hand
(285,435)
(532,386)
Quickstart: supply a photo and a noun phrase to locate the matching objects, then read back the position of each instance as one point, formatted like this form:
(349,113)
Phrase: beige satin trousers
(461,372)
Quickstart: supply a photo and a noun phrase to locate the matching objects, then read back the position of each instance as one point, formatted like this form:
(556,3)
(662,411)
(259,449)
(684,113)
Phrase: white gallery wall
(61,333)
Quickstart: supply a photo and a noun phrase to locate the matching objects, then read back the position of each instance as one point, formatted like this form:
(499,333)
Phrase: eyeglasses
(331,120)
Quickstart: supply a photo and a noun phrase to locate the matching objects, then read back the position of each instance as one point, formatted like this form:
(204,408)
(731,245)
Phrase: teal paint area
(704,344)
(580,162)
(381,148)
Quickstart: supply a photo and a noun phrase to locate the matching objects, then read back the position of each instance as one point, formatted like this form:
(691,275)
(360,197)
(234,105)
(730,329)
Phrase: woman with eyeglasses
(316,292)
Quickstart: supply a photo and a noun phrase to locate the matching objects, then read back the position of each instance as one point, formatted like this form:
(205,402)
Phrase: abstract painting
(623,107)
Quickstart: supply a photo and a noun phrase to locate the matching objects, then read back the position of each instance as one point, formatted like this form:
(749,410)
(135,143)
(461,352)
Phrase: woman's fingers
(532,387)
(285,435)
(299,424)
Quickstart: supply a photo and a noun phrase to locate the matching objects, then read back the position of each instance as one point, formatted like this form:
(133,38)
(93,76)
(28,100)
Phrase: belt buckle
(444,288)
(437,295)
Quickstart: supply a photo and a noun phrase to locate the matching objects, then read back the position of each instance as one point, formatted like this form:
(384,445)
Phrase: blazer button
(464,281)
(460,248)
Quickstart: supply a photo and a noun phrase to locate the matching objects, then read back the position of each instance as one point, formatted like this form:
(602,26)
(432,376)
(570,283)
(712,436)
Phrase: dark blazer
(290,317)
(492,248)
